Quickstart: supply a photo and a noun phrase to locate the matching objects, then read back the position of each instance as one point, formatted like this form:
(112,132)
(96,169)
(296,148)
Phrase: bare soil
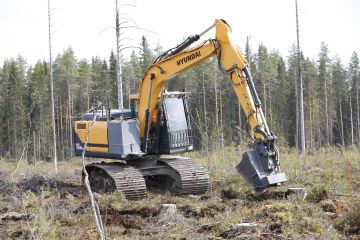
(44,205)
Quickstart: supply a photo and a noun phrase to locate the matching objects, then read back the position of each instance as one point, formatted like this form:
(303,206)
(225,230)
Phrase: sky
(87,26)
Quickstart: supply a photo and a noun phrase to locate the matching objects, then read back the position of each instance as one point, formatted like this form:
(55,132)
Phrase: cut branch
(94,205)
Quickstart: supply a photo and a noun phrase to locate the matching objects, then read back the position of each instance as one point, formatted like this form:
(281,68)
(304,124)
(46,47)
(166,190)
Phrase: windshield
(175,114)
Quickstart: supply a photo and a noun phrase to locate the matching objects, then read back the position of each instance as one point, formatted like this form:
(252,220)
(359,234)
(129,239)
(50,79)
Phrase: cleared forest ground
(36,203)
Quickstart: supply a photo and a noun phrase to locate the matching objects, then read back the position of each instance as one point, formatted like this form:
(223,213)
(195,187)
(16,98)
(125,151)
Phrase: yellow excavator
(158,124)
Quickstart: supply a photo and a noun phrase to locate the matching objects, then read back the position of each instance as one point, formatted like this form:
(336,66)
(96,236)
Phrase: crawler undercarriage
(179,175)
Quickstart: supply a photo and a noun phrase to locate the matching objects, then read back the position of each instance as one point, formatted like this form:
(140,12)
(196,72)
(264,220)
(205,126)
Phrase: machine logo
(188,58)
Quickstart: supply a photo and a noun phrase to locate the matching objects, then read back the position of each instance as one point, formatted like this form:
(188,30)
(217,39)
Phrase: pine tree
(113,79)
(101,80)
(324,90)
(282,91)
(146,55)
(292,105)
(338,75)
(264,79)
(13,115)
(129,80)
(85,86)
(39,107)
(354,85)
(6,147)
(311,101)
(65,74)
(136,73)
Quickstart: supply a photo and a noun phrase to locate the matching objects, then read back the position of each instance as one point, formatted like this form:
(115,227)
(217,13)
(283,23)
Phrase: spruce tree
(146,55)
(113,85)
(354,85)
(324,91)
(338,75)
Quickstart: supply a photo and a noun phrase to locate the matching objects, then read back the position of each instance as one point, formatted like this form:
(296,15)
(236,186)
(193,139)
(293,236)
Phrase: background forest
(331,98)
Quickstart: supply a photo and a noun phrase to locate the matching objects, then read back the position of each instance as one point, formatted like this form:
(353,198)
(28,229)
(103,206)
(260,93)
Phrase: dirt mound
(6,187)
(209,211)
(14,216)
(189,212)
(206,228)
(231,193)
(144,212)
(334,206)
(40,182)
(349,223)
(317,194)
(115,217)
(238,229)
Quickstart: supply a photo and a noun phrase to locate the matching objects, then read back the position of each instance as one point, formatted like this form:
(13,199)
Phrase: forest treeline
(331,98)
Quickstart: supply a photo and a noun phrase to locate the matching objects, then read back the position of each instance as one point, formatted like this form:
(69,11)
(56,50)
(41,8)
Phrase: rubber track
(194,178)
(127,179)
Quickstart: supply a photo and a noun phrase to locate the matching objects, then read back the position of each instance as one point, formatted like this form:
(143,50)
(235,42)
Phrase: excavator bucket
(260,169)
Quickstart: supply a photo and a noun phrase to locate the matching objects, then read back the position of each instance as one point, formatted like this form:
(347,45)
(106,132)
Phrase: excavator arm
(231,61)
(259,166)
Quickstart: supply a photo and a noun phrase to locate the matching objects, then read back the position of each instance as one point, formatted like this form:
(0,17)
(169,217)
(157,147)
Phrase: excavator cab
(171,131)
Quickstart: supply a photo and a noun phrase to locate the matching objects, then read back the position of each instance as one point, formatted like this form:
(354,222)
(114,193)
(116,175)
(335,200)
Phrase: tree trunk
(8,152)
(358,117)
(297,113)
(118,66)
(239,117)
(61,136)
(221,121)
(39,145)
(265,99)
(216,109)
(310,118)
(270,105)
(351,123)
(301,100)
(341,123)
(34,146)
(14,130)
(229,103)
(70,119)
(205,117)
(52,93)
(58,124)
(326,113)
(87,93)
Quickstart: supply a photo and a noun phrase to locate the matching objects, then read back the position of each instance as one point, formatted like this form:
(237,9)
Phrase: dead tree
(52,91)
(301,94)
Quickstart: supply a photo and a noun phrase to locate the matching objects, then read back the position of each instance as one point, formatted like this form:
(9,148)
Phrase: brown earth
(43,205)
